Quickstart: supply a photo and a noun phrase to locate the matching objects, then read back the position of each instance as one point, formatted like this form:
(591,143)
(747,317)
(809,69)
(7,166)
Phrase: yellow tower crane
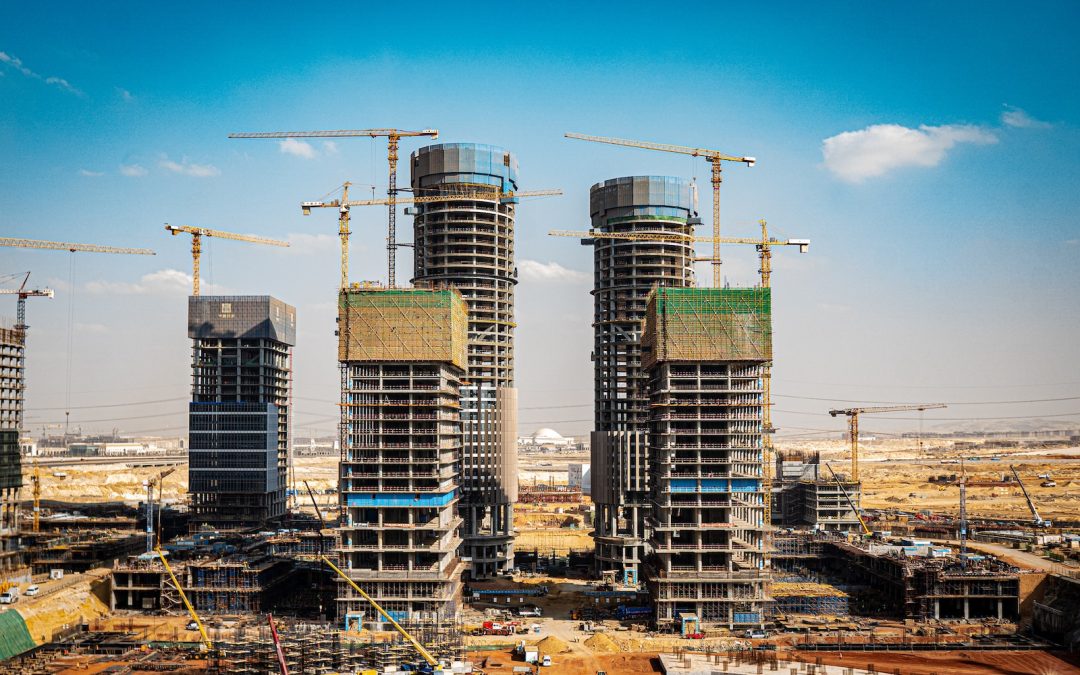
(344,204)
(393,137)
(71,248)
(197,233)
(713,157)
(853,425)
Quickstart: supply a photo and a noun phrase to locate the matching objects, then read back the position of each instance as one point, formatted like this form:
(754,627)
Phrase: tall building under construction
(625,270)
(465,239)
(704,352)
(238,446)
(402,354)
(12,361)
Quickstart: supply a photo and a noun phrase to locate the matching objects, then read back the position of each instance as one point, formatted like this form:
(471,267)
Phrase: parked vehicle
(8,598)
(32,590)
(756,634)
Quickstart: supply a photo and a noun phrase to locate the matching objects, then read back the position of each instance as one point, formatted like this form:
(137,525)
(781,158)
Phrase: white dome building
(546,437)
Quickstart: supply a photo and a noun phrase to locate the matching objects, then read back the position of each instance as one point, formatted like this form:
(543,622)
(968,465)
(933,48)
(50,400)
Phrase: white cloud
(125,95)
(162,282)
(1072,242)
(312,243)
(15,62)
(1017,117)
(90,174)
(330,147)
(63,84)
(187,168)
(291,146)
(854,156)
(133,170)
(532,270)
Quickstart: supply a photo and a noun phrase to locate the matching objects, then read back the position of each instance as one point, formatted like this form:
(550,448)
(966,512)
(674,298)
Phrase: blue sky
(930,152)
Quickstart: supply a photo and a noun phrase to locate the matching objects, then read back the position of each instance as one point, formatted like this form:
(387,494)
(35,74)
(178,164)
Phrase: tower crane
(344,204)
(197,233)
(23,292)
(393,137)
(71,248)
(13,242)
(853,425)
(714,157)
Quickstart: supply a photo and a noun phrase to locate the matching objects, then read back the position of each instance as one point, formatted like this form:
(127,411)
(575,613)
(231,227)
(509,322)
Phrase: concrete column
(937,609)
(966,609)
(1000,609)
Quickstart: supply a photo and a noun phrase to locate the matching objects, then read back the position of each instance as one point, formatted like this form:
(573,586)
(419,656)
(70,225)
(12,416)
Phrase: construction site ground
(894,473)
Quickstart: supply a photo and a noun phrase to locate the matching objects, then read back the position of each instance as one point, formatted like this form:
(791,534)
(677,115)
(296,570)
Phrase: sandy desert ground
(893,472)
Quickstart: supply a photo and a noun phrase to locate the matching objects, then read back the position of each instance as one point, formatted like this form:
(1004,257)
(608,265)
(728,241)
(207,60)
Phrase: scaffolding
(707,324)
(403,324)
(808,598)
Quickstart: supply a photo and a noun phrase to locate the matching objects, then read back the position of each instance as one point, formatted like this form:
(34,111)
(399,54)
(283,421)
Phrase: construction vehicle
(1037,519)
(713,157)
(853,425)
(393,137)
(187,603)
(197,233)
(344,204)
(866,530)
(420,649)
(24,293)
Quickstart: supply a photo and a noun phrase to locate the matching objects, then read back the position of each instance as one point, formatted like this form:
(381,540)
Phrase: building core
(465,239)
(625,271)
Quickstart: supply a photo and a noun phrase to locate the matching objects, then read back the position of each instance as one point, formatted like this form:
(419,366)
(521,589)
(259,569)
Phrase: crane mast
(853,425)
(344,205)
(714,157)
(197,233)
(393,139)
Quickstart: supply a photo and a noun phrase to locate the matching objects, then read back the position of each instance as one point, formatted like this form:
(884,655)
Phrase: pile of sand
(553,645)
(602,644)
